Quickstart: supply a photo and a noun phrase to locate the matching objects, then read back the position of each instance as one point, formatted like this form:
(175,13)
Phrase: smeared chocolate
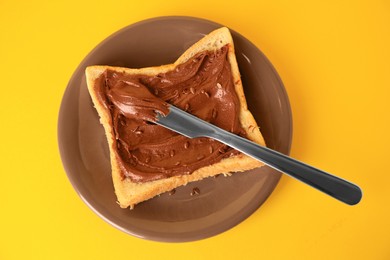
(203,86)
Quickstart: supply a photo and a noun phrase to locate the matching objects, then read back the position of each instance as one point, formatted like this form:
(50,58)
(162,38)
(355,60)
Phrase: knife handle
(336,187)
(191,126)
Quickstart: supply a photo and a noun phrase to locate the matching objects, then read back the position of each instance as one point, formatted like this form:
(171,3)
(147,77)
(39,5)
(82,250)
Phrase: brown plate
(222,202)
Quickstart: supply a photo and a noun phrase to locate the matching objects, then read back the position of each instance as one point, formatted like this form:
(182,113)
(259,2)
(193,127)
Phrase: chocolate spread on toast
(202,86)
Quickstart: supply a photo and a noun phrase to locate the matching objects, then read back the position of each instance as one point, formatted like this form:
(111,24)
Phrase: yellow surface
(333,58)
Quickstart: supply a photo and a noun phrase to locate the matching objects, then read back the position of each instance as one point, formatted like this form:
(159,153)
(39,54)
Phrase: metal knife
(191,126)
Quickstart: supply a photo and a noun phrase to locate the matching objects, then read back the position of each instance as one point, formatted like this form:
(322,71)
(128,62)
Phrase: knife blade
(188,125)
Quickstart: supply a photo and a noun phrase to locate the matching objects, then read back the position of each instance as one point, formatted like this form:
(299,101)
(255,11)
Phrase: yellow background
(333,57)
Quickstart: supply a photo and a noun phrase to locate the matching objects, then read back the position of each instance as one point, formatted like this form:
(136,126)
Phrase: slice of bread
(130,193)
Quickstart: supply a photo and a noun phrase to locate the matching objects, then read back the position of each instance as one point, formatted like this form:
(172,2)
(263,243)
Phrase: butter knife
(191,126)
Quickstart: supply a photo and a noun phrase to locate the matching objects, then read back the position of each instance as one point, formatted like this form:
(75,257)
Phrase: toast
(130,193)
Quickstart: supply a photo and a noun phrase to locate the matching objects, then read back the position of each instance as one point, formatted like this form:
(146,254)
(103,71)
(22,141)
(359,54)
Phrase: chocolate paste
(203,86)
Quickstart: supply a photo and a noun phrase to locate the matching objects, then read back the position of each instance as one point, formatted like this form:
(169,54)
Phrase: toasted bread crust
(130,193)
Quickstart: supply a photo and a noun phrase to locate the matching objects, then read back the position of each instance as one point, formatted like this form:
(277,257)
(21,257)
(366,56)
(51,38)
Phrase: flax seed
(200,157)
(214,113)
(195,191)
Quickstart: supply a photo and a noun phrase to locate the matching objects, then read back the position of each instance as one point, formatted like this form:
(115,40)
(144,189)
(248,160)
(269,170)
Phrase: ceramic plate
(222,202)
